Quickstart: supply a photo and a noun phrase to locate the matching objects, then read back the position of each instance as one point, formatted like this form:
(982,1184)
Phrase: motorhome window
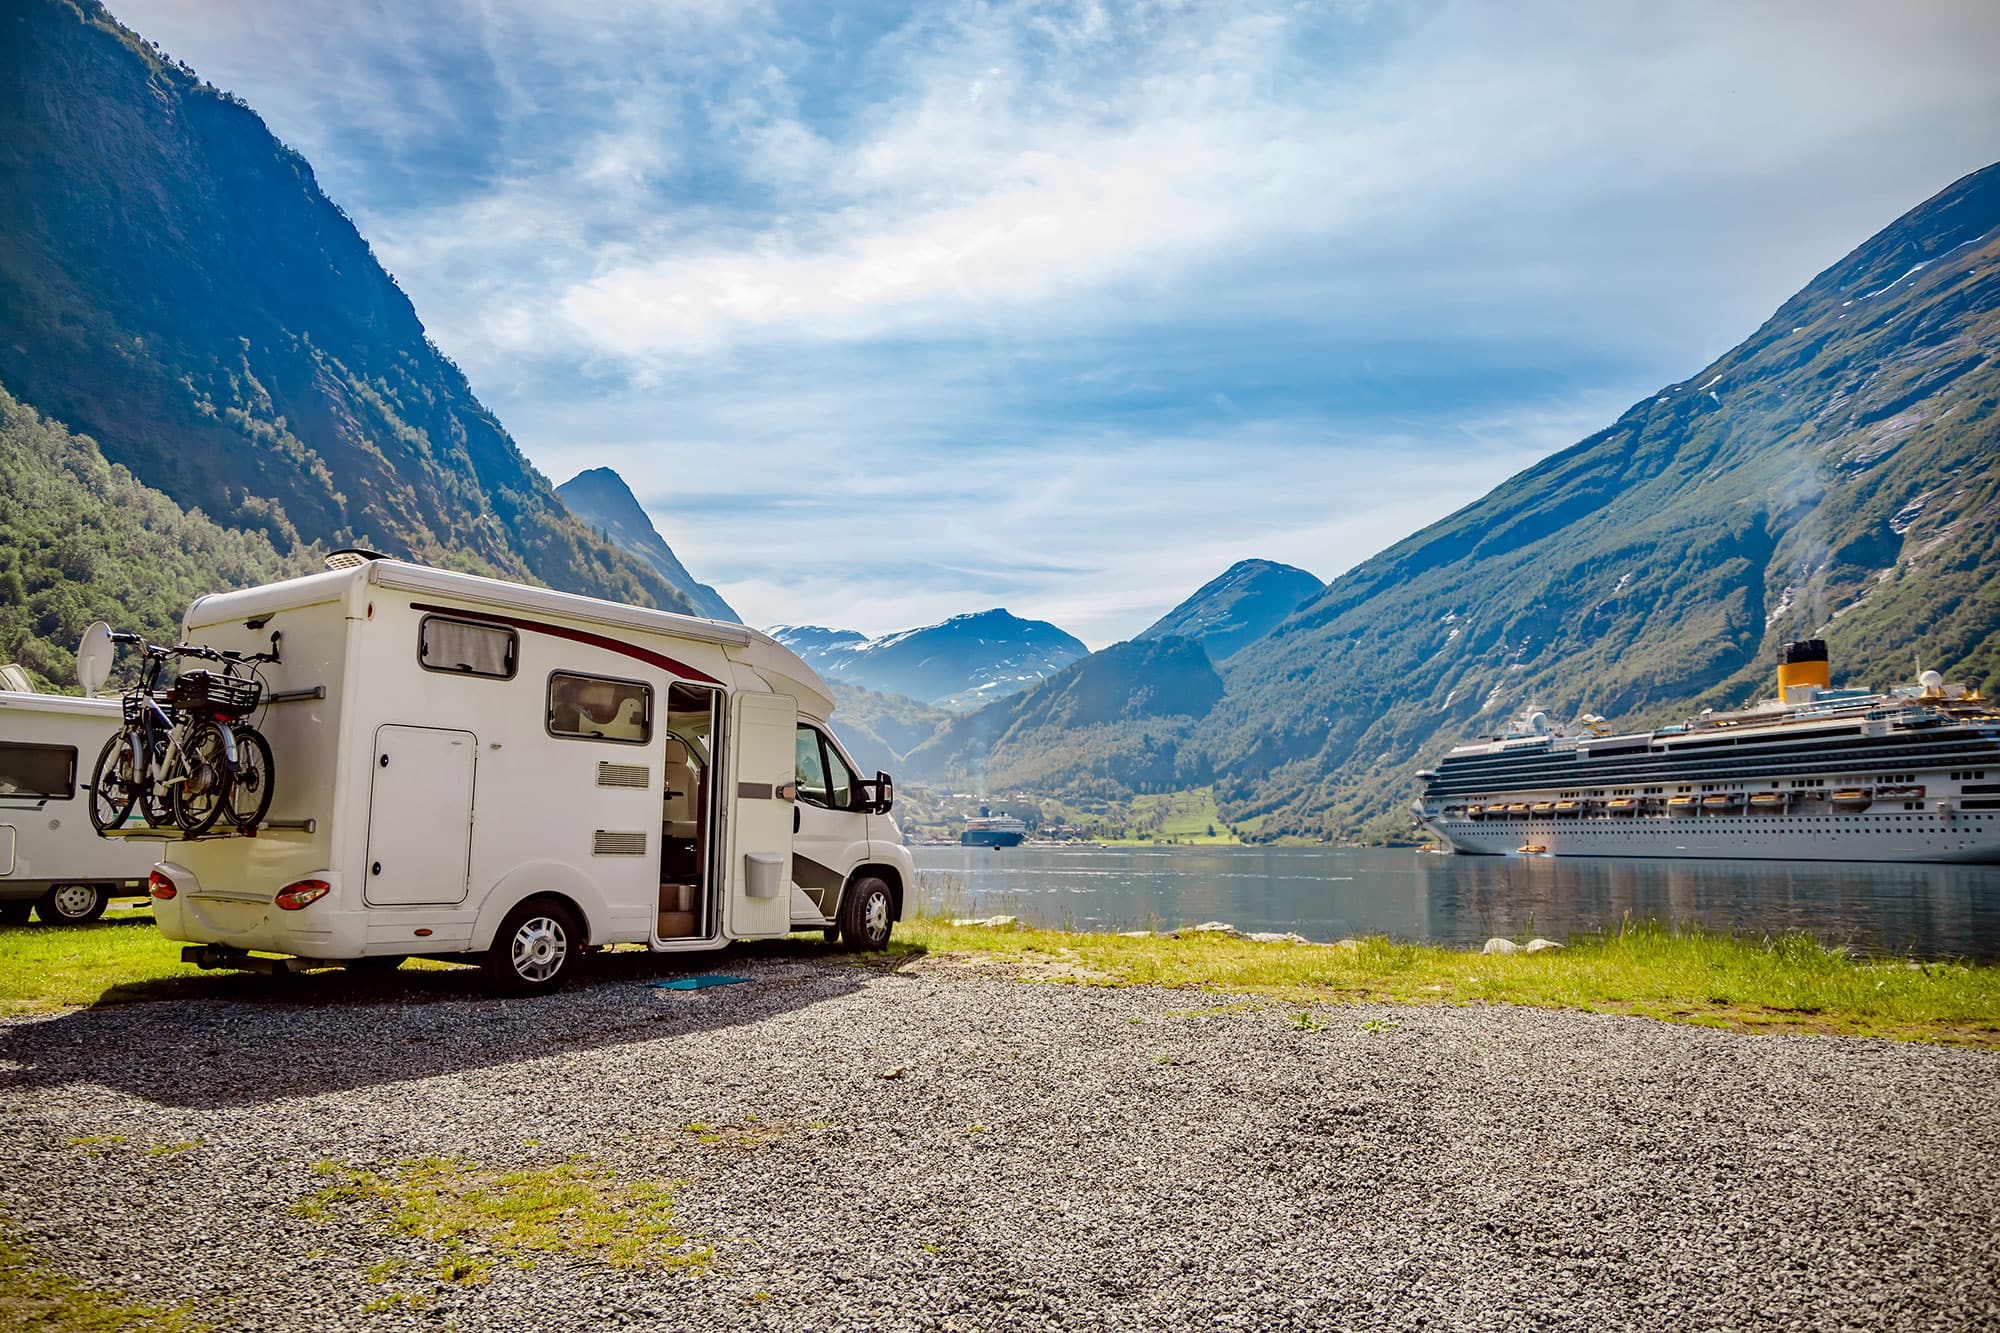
(38,772)
(840,780)
(465,649)
(812,768)
(599,708)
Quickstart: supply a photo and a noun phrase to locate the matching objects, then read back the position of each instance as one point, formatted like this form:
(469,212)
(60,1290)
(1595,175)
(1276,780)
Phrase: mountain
(880,730)
(604,502)
(82,539)
(1239,605)
(1113,722)
(960,664)
(174,284)
(1836,474)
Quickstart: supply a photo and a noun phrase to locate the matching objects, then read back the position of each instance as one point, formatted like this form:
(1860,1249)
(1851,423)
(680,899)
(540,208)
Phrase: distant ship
(989,830)
(1817,774)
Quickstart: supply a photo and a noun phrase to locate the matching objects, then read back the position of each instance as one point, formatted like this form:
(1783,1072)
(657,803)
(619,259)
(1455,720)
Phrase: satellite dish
(94,655)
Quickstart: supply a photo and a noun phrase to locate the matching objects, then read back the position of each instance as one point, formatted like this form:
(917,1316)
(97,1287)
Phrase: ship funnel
(1802,666)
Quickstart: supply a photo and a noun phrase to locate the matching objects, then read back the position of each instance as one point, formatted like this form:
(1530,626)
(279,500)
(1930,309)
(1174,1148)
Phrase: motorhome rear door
(766,780)
(420,815)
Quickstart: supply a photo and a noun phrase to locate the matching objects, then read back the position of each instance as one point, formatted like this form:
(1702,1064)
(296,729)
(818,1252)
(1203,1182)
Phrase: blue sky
(889,313)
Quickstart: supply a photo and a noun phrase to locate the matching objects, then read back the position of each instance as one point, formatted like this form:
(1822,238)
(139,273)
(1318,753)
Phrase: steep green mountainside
(879,730)
(174,284)
(1838,473)
(1240,605)
(1112,723)
(82,539)
(605,503)
(961,664)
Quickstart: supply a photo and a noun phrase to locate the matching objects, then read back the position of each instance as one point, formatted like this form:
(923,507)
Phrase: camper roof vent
(352,557)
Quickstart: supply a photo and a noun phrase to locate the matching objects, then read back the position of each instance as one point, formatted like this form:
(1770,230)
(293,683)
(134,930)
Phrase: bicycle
(186,755)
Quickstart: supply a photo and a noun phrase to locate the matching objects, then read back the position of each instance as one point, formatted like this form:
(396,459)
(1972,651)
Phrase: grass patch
(471,1215)
(1184,817)
(1788,983)
(33,1296)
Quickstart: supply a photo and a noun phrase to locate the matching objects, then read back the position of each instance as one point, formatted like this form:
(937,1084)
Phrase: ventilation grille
(623,775)
(617,842)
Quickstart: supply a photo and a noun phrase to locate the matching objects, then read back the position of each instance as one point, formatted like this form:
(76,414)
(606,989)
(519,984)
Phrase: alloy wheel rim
(539,949)
(74,900)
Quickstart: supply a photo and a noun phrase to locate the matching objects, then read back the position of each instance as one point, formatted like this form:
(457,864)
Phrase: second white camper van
(464,766)
(51,860)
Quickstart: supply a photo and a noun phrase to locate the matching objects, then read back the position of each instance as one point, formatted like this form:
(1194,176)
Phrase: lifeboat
(1543,807)
(1474,811)
(1853,798)
(1533,849)
(1680,804)
(1621,805)
(1724,802)
(1915,793)
(1568,807)
(1768,800)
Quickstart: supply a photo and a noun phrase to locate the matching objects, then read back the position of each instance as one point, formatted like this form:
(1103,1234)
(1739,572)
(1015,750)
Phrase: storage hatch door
(420,816)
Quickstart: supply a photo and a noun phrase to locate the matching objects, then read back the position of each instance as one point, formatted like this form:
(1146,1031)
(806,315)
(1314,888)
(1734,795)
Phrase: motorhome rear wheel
(536,947)
(867,914)
(72,904)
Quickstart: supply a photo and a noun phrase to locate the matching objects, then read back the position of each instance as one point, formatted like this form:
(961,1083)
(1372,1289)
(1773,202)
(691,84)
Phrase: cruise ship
(989,830)
(1816,774)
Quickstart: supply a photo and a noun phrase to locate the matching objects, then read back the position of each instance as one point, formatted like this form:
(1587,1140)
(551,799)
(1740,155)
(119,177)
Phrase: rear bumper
(243,920)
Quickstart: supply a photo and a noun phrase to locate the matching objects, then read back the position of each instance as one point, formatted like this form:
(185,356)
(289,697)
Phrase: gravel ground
(940,1146)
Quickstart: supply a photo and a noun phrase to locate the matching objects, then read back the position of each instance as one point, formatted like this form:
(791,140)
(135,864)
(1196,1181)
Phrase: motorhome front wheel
(867,914)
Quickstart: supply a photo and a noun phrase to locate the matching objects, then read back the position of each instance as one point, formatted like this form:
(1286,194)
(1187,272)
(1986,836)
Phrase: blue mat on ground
(697,983)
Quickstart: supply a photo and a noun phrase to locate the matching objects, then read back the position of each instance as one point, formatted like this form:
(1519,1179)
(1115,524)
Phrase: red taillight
(160,886)
(307,891)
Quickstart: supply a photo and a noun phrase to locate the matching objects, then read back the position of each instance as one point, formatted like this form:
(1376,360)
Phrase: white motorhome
(468,767)
(51,859)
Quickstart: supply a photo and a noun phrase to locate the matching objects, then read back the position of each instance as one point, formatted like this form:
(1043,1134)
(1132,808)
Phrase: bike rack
(296,696)
(143,833)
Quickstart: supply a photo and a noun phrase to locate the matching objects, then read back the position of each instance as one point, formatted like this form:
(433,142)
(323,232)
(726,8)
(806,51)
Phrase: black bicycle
(187,754)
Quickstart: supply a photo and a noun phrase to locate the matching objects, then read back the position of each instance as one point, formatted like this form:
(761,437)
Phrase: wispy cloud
(889,311)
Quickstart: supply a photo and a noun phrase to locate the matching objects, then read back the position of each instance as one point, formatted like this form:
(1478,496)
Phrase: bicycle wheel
(201,791)
(154,806)
(250,794)
(112,791)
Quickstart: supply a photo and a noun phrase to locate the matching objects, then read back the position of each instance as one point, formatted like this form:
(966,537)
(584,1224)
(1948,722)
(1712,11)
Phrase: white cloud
(1066,307)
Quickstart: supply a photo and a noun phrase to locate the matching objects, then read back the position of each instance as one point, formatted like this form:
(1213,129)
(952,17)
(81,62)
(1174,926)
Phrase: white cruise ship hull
(1902,836)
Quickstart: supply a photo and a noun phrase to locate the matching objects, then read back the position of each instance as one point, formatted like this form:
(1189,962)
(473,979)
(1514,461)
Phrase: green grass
(471,1215)
(1790,983)
(36,1297)
(1180,817)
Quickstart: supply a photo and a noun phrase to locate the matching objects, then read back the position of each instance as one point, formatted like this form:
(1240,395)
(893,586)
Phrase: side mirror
(879,796)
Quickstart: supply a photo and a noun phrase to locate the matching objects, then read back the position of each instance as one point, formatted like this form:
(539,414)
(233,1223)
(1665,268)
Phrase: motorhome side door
(764,778)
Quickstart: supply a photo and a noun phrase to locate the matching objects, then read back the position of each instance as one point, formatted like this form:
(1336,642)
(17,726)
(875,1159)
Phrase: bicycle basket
(208,692)
(135,704)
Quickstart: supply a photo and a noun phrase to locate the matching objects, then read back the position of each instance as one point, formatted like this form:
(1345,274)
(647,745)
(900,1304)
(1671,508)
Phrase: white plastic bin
(763,874)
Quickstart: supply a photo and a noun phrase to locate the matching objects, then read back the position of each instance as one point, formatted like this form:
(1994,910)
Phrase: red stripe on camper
(646,655)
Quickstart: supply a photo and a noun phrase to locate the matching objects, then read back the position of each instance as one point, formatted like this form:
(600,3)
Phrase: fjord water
(1325,893)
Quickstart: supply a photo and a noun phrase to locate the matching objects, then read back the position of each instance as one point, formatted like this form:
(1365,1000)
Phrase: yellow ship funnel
(1802,666)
